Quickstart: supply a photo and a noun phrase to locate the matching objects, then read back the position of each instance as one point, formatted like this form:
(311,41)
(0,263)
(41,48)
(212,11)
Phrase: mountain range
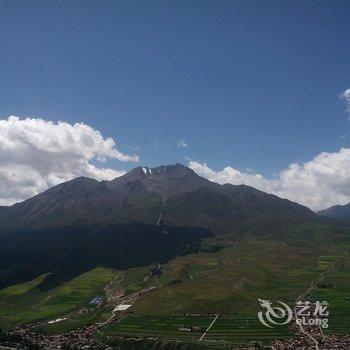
(147,215)
(197,247)
(172,194)
(337,211)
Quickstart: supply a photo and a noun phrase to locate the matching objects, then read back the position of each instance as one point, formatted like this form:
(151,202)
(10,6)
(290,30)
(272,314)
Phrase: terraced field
(225,332)
(163,327)
(240,330)
(335,289)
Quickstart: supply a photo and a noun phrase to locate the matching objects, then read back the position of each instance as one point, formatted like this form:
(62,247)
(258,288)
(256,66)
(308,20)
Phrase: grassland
(227,282)
(335,289)
(230,281)
(24,303)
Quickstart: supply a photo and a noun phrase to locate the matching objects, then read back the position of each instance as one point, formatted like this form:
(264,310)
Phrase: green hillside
(225,278)
(24,303)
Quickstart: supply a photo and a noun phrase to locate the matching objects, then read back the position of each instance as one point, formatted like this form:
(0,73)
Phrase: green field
(230,281)
(24,303)
(239,330)
(335,289)
(227,282)
(226,331)
(164,327)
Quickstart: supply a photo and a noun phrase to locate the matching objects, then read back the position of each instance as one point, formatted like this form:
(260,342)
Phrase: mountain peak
(165,180)
(176,170)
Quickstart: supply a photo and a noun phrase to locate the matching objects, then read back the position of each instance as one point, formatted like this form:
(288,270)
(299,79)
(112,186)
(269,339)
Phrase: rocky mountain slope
(174,194)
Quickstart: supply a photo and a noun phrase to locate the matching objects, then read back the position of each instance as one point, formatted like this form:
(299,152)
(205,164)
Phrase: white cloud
(322,182)
(345,96)
(36,154)
(182,143)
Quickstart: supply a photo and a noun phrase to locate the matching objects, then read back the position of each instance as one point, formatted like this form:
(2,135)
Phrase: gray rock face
(166,181)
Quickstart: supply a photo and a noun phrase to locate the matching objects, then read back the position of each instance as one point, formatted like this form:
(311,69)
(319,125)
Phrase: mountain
(217,248)
(337,211)
(173,194)
(66,252)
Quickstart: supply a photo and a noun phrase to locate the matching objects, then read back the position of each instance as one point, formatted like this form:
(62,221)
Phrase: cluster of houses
(301,343)
(78,339)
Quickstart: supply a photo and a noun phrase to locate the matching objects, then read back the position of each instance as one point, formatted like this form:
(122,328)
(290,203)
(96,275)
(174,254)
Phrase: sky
(254,92)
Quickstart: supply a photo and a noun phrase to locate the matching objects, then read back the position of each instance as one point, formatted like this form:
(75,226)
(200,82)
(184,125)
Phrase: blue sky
(250,84)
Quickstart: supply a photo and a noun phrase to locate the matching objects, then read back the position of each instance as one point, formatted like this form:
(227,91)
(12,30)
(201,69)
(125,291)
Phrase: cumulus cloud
(182,143)
(322,182)
(36,154)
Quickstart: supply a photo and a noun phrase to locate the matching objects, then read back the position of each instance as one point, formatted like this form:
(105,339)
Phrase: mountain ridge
(337,211)
(174,193)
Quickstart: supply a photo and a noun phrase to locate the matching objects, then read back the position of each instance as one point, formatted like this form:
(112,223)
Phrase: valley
(190,291)
(192,279)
